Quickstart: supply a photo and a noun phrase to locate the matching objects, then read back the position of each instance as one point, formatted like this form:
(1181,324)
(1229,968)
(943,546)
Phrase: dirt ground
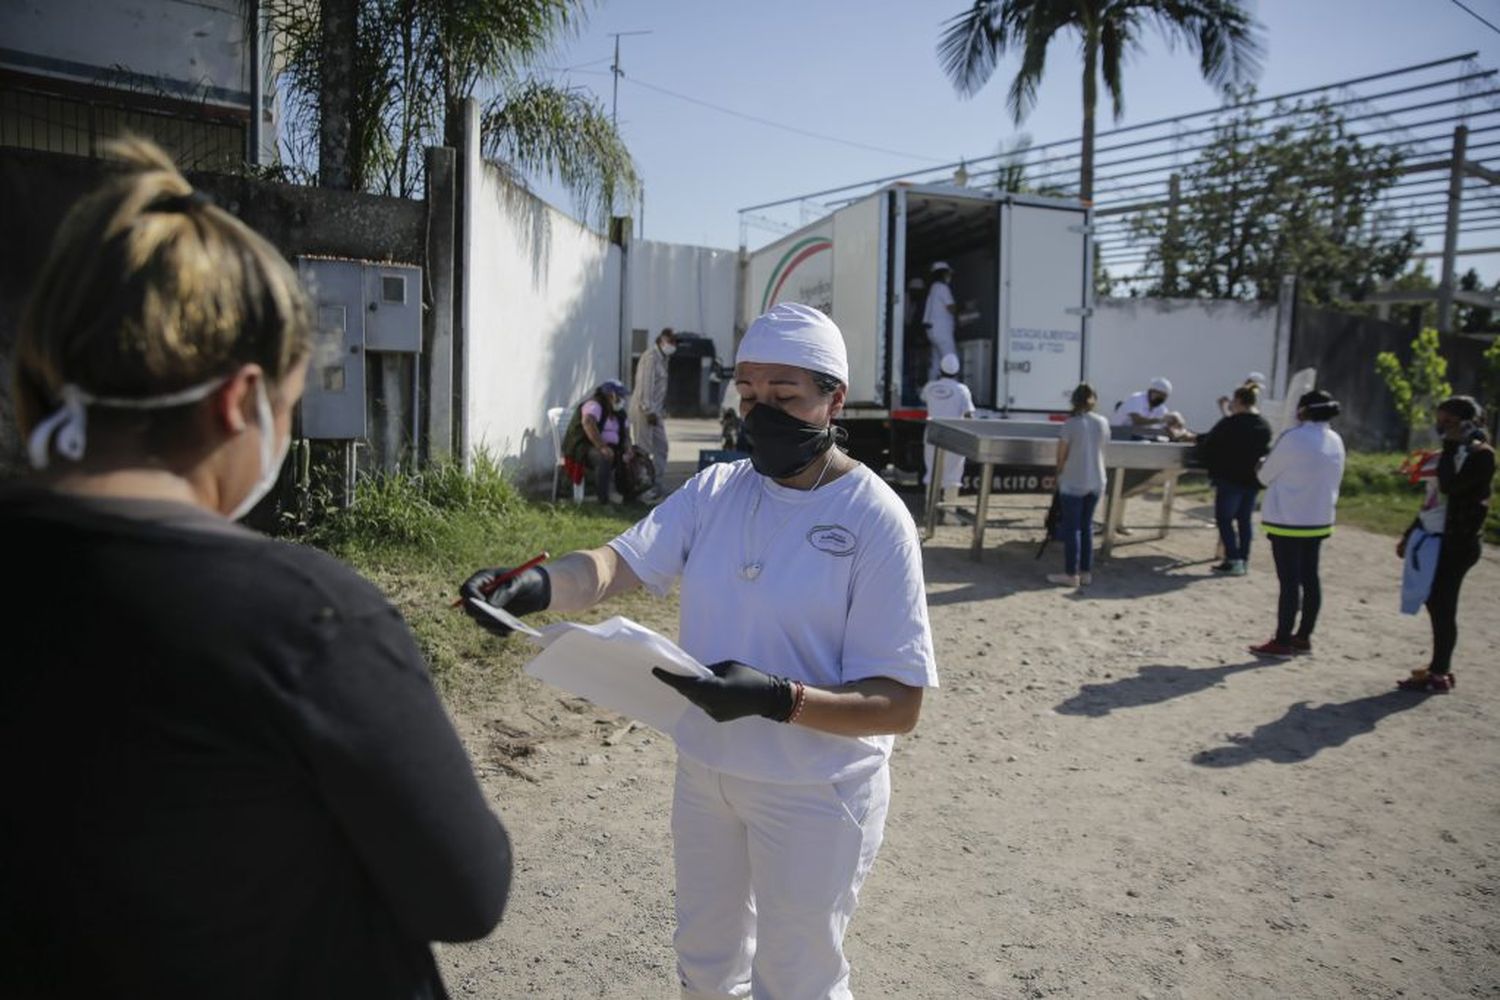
(1108,797)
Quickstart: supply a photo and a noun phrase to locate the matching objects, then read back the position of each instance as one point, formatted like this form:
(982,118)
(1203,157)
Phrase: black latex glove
(524,593)
(734,691)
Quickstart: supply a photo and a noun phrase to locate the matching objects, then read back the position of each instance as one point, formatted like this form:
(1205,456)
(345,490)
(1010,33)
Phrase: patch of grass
(418,536)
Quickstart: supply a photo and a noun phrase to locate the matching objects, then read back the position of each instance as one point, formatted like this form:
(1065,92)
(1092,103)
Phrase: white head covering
(939,265)
(1256,377)
(794,334)
(1161,385)
(949,364)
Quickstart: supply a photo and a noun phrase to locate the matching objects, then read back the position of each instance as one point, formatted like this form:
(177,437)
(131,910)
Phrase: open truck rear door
(1045,299)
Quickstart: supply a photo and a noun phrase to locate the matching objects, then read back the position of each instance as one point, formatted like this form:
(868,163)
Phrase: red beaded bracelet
(798,700)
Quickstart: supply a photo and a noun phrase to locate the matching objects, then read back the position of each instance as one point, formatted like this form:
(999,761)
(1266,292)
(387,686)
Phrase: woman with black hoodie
(1457,503)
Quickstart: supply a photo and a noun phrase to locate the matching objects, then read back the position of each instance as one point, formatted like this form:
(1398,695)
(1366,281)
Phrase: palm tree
(411,64)
(1221,32)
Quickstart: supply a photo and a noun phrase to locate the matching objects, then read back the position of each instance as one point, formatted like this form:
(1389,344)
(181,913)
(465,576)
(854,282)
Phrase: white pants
(768,876)
(953,467)
(941,345)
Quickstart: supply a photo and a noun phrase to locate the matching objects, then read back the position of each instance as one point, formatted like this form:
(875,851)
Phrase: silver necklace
(750,568)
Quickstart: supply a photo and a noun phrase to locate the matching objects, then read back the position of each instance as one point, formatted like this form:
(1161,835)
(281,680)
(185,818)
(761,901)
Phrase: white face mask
(271,456)
(669,349)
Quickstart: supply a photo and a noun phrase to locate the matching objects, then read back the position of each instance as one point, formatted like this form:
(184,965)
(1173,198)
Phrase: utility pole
(1450,231)
(615,72)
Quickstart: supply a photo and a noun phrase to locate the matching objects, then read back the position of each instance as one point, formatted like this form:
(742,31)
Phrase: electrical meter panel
(357,307)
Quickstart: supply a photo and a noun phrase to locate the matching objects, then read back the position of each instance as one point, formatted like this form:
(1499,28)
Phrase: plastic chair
(556,419)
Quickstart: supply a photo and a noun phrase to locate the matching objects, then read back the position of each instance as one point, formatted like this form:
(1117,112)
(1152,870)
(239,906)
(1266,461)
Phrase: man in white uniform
(1145,412)
(947,398)
(648,404)
(801,584)
(939,317)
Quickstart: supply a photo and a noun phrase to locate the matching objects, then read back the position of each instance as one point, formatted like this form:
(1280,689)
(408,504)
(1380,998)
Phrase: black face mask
(781,445)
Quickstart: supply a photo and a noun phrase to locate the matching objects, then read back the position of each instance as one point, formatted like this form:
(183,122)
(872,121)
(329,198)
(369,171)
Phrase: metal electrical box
(358,307)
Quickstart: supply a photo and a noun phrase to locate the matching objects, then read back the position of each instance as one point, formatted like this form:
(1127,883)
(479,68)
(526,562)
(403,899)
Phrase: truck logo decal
(799,252)
(835,539)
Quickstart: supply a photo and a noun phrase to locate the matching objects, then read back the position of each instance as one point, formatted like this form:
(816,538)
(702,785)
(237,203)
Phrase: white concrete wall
(1205,348)
(542,312)
(688,288)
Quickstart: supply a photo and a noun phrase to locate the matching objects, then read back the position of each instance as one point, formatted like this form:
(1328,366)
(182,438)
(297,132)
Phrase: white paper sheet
(610,665)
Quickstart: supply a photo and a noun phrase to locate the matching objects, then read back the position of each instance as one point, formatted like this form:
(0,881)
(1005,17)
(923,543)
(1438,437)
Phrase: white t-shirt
(1138,403)
(839,598)
(947,399)
(938,315)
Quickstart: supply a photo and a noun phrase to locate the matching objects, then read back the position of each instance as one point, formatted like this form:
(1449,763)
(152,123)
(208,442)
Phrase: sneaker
(1275,650)
(1427,682)
(1301,645)
(1062,579)
(1237,567)
(1084,579)
(1227,566)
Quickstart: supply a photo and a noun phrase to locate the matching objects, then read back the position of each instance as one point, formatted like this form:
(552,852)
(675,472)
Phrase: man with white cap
(947,398)
(802,589)
(940,317)
(1145,412)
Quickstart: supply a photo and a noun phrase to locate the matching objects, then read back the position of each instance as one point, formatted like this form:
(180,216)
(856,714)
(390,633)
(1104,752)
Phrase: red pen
(509,574)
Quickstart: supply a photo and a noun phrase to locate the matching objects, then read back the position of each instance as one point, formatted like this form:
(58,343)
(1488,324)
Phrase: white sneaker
(1062,579)
(1084,579)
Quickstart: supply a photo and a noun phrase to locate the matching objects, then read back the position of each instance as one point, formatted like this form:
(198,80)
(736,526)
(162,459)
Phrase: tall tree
(1295,194)
(415,62)
(1221,32)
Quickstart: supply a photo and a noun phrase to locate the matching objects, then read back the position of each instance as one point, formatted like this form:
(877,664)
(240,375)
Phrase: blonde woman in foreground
(227,772)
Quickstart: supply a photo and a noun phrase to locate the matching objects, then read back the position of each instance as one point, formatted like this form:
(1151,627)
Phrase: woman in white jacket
(1301,476)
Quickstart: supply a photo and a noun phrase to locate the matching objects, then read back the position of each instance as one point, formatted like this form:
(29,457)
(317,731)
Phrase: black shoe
(1227,566)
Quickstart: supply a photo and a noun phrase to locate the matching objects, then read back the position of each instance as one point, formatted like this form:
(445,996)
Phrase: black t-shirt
(226,772)
(1234,447)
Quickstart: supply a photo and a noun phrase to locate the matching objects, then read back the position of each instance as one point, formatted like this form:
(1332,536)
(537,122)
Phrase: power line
(740,114)
(786,128)
(1476,17)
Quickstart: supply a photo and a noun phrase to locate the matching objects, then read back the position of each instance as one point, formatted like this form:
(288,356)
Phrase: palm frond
(971,45)
(1227,39)
(540,128)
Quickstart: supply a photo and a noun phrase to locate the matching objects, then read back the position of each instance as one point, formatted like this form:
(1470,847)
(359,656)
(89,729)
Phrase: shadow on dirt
(1012,567)
(1303,732)
(1152,685)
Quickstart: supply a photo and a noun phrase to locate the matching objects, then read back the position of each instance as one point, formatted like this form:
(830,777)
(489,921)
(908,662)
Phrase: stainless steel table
(1016,442)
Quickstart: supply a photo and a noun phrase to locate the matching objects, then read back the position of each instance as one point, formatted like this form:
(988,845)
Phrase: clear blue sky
(867,72)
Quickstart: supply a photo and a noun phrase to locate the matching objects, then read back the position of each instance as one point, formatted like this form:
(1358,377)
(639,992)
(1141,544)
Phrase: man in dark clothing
(1457,506)
(1231,452)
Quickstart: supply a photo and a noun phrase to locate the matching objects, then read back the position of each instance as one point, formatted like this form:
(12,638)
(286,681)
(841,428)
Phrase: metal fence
(35,119)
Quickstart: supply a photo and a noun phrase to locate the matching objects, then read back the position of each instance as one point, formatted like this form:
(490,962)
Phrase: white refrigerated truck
(1022,274)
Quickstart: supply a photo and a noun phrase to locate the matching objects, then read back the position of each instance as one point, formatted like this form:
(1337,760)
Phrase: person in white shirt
(940,316)
(1145,412)
(802,588)
(947,398)
(1301,475)
(1145,415)
(648,403)
(1080,482)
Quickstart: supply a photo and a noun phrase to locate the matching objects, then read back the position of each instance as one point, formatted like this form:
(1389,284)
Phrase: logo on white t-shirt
(834,539)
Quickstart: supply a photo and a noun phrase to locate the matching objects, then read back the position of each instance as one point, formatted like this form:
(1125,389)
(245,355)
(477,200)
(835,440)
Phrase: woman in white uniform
(802,588)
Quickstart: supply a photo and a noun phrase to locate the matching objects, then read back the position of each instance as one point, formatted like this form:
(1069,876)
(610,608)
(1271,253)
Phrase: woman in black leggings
(1455,510)
(1301,476)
